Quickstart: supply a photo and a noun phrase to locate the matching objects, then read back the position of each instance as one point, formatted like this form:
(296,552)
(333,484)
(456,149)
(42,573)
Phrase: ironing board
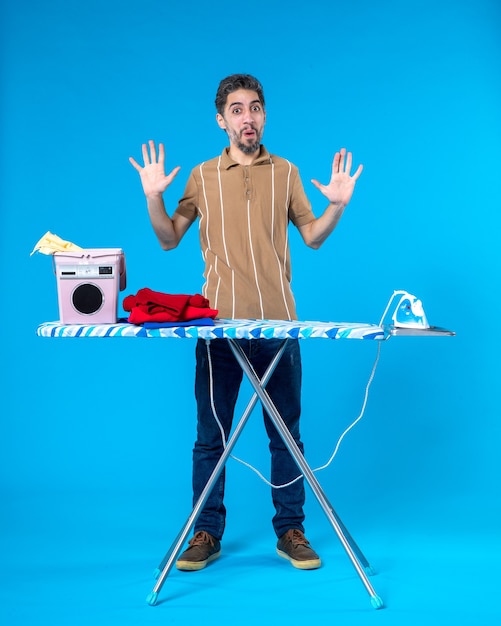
(220,329)
(232,330)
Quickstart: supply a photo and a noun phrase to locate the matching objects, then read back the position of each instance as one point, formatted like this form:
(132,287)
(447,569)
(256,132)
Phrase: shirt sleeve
(188,204)
(300,212)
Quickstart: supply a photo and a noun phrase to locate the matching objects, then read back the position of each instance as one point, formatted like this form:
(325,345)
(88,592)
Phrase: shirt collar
(227,161)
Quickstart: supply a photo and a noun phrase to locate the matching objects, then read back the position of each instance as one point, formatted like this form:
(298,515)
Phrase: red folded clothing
(153,306)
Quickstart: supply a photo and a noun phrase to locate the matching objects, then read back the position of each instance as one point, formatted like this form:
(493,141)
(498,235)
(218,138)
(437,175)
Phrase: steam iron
(408,312)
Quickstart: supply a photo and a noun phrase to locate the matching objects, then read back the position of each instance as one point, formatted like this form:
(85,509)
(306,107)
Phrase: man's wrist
(337,205)
(155,196)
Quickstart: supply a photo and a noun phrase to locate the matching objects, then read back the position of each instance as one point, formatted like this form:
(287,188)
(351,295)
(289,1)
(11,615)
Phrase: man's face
(243,119)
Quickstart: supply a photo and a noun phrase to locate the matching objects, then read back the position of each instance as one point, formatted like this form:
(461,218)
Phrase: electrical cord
(338,444)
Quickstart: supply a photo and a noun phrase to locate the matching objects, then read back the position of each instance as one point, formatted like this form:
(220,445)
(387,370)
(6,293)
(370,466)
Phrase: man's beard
(247,148)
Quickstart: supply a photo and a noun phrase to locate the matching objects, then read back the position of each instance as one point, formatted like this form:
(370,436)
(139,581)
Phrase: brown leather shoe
(294,547)
(203,549)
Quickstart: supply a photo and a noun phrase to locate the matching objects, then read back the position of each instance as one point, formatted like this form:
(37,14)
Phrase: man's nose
(248,117)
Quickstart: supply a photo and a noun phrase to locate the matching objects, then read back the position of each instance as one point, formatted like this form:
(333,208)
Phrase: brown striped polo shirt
(244,214)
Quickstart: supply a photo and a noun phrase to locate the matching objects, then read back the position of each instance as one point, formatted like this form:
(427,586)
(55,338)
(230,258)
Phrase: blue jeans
(284,388)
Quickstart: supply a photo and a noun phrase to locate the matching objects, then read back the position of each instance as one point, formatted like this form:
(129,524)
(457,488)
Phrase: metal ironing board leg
(170,557)
(305,469)
(369,570)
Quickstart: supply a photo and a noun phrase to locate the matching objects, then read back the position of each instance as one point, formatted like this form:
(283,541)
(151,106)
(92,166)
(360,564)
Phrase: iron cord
(338,444)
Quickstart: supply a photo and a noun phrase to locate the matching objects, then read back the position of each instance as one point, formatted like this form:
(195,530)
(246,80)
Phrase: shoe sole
(195,566)
(311,564)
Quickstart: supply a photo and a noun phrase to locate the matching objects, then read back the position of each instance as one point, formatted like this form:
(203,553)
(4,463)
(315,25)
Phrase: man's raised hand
(153,177)
(341,185)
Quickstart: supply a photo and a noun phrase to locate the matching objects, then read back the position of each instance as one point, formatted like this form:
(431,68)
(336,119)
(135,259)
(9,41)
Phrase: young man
(245,199)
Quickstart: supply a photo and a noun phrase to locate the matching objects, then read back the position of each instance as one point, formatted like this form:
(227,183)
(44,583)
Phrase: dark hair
(232,83)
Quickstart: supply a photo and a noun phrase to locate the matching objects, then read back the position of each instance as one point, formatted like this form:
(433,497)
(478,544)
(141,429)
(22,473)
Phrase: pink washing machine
(88,284)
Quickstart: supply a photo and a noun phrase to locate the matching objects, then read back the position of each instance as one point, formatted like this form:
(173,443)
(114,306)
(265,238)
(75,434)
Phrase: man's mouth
(249,132)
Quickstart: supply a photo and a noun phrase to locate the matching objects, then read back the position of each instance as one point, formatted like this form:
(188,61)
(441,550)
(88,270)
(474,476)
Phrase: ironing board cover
(222,329)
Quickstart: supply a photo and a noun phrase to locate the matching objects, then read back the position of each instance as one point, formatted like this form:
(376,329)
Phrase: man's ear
(220,121)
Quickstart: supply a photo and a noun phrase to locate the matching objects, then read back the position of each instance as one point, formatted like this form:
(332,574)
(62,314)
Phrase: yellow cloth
(50,243)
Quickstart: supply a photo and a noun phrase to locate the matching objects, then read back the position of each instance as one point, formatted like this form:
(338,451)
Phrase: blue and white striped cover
(222,329)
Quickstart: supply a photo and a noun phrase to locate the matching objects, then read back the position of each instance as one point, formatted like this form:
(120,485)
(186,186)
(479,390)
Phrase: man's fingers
(146,156)
(358,172)
(173,174)
(335,163)
(340,167)
(342,154)
(348,162)
(135,164)
(161,153)
(153,151)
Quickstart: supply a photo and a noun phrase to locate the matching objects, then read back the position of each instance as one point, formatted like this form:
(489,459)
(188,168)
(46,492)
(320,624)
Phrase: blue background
(96,436)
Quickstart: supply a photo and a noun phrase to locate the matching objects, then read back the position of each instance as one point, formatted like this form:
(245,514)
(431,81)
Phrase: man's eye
(256,108)
(237,111)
